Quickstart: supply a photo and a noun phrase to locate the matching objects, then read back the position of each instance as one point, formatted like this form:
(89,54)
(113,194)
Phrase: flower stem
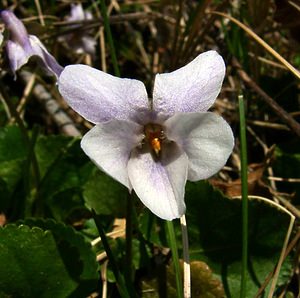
(244,176)
(174,250)
(186,259)
(128,261)
(103,10)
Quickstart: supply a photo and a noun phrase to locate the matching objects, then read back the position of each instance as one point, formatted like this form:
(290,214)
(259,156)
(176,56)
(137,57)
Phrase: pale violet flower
(20,46)
(79,41)
(154,146)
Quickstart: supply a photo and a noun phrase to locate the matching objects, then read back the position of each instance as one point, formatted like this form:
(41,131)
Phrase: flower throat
(154,136)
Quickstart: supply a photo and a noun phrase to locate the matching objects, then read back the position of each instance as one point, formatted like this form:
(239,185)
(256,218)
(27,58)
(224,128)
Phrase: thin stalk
(177,31)
(186,259)
(119,278)
(128,249)
(110,40)
(244,176)
(174,250)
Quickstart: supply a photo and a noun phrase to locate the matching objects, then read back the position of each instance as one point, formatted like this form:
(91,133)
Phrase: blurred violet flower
(21,47)
(154,146)
(79,41)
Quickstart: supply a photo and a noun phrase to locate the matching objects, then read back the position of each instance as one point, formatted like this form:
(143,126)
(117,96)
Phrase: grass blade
(174,250)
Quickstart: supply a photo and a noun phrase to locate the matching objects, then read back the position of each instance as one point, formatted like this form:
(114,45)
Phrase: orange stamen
(156,146)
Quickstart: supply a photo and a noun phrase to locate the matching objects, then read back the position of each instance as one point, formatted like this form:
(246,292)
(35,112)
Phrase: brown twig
(284,115)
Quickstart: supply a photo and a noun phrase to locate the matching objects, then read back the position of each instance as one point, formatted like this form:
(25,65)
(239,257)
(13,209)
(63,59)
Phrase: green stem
(244,176)
(119,278)
(110,40)
(174,250)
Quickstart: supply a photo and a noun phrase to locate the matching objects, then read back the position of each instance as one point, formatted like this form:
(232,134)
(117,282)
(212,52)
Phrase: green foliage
(105,195)
(50,260)
(63,168)
(214,224)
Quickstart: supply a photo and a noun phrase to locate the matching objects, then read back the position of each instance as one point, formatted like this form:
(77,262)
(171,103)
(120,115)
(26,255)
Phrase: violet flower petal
(100,97)
(16,55)
(76,13)
(47,60)
(206,138)
(191,88)
(109,145)
(160,184)
(88,45)
(21,46)
(16,28)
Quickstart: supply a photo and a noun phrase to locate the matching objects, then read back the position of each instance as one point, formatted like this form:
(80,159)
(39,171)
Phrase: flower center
(154,136)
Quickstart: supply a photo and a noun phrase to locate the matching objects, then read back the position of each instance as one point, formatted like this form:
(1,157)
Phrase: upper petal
(109,145)
(206,138)
(160,184)
(16,28)
(191,88)
(99,97)
(77,13)
(48,61)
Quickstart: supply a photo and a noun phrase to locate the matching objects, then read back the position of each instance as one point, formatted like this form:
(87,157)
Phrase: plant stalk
(244,177)
(186,259)
(174,250)
(128,253)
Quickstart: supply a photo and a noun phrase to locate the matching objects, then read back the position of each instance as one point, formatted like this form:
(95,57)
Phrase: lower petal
(160,184)
(109,145)
(206,138)
(17,55)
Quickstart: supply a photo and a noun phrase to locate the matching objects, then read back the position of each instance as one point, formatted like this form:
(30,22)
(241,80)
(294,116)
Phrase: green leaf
(52,261)
(12,144)
(214,227)
(13,155)
(64,169)
(50,148)
(60,160)
(105,195)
